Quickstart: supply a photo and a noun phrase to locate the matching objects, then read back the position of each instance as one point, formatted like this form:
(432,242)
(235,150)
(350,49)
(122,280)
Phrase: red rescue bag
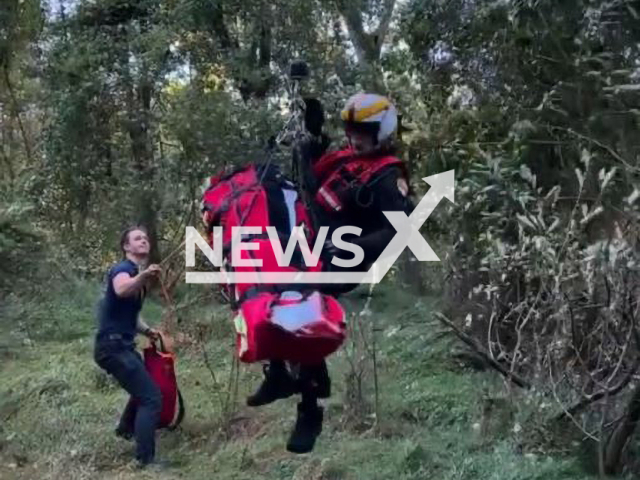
(160,363)
(291,326)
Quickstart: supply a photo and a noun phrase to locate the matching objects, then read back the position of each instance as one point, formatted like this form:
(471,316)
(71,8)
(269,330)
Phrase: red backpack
(273,321)
(160,363)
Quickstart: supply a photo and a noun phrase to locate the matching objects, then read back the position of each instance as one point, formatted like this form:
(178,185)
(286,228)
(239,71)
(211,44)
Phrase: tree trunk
(5,140)
(412,273)
(16,112)
(253,76)
(368,45)
(142,152)
(621,435)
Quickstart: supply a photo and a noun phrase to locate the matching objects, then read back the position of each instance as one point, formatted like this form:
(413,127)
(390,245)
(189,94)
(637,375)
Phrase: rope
(366,312)
(294,124)
(172,254)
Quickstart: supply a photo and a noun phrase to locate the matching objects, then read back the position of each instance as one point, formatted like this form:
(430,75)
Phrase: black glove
(313,116)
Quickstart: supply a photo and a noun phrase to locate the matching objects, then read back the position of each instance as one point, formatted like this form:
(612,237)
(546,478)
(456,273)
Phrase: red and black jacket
(349,189)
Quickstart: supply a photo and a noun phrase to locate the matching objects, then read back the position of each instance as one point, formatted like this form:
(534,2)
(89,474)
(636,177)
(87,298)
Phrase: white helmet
(370,113)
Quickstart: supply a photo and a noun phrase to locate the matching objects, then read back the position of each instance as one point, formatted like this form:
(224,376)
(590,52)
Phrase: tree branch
(352,17)
(610,150)
(16,113)
(591,399)
(385,20)
(516,379)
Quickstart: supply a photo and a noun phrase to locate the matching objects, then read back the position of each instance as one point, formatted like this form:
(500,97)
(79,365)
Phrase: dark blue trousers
(120,359)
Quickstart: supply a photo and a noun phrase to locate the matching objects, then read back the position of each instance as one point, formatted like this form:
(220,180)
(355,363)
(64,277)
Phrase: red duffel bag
(289,326)
(160,363)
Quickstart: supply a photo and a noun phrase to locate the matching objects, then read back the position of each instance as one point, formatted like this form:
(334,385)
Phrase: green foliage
(22,247)
(66,409)
(20,22)
(534,105)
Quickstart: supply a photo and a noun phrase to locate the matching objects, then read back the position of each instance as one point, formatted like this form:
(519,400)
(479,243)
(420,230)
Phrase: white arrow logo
(408,228)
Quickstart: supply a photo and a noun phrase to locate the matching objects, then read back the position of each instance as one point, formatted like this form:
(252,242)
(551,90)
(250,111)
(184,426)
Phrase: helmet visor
(362,128)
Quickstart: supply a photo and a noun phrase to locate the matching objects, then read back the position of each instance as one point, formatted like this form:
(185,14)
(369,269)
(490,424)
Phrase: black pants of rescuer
(312,382)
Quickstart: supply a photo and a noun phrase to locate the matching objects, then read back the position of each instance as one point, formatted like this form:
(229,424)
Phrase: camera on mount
(299,70)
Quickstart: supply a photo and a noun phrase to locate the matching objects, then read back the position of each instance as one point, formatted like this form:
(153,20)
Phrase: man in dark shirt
(115,352)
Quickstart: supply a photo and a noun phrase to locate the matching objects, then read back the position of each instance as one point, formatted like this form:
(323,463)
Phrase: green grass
(60,410)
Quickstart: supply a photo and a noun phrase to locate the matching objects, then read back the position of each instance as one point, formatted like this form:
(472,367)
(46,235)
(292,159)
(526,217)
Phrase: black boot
(124,433)
(307,428)
(277,384)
